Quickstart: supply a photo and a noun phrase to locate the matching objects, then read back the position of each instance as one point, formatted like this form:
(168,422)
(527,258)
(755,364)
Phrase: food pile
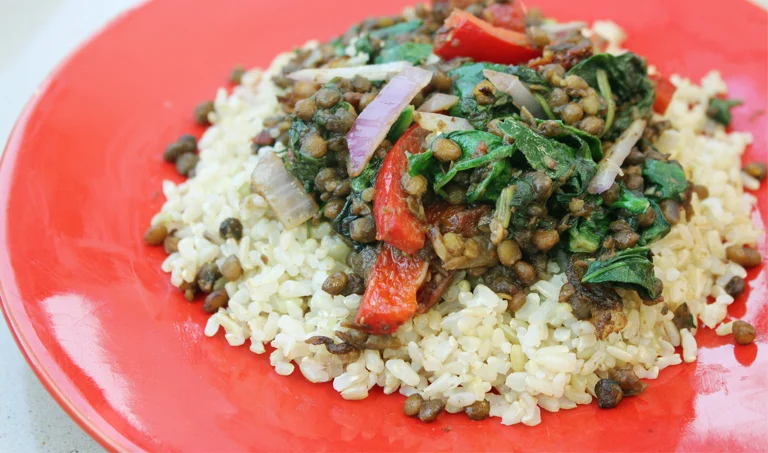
(469,203)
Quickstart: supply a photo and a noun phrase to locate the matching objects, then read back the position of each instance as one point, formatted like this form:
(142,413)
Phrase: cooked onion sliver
(439,102)
(443,124)
(556,30)
(372,72)
(374,122)
(284,193)
(610,166)
(521,96)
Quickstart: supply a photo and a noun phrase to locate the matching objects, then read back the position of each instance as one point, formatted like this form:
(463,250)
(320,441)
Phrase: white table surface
(35,36)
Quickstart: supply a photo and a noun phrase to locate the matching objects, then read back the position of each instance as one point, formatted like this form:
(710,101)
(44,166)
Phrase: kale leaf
(631,268)
(667,179)
(720,109)
(628,81)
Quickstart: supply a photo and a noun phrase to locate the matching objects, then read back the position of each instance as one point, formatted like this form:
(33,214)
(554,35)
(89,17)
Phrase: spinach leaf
(658,229)
(720,109)
(364,45)
(498,174)
(367,178)
(628,80)
(631,268)
(522,196)
(397,29)
(494,179)
(586,235)
(343,221)
(338,47)
(636,204)
(304,167)
(554,158)
(409,51)
(667,179)
(586,145)
(468,76)
(402,124)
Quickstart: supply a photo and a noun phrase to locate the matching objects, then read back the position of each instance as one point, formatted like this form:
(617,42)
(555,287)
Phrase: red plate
(125,355)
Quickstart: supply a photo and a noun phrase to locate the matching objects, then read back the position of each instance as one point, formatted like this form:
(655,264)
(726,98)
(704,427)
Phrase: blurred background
(36,36)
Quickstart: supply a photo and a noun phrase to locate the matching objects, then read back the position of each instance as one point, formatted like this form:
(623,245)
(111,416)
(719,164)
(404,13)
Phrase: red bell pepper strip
(395,224)
(390,298)
(664,92)
(464,35)
(507,15)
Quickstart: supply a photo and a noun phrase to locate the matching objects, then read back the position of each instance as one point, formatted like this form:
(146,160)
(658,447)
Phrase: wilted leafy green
(412,52)
(468,76)
(720,109)
(635,204)
(667,179)
(557,160)
(631,268)
(658,229)
(401,125)
(367,178)
(397,29)
(304,167)
(587,234)
(628,81)
(498,171)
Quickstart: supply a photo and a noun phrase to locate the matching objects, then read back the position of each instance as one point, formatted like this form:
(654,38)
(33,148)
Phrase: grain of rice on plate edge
(468,348)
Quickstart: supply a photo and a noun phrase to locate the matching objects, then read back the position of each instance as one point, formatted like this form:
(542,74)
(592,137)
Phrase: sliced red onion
(439,102)
(610,166)
(372,72)
(284,193)
(435,122)
(555,30)
(521,96)
(374,122)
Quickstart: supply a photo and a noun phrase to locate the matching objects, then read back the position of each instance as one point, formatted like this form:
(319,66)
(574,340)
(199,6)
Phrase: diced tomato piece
(507,15)
(395,224)
(664,92)
(464,35)
(390,298)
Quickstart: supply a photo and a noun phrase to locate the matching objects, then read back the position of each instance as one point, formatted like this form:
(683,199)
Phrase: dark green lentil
(231,228)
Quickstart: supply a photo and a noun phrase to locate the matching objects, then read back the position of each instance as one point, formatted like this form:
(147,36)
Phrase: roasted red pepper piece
(456,219)
(390,298)
(464,35)
(507,15)
(395,224)
(664,92)
(430,292)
